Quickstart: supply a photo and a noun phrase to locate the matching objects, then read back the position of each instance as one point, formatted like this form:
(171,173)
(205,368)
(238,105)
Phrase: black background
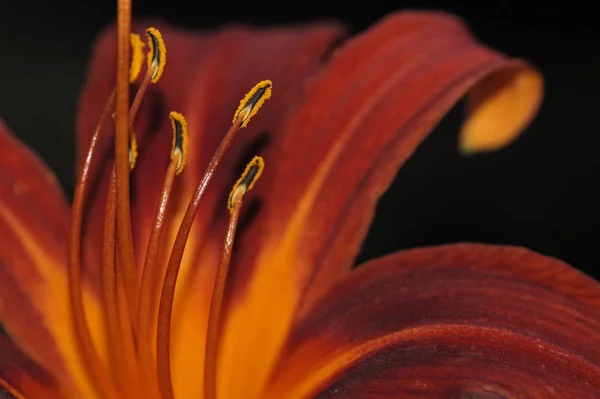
(541,192)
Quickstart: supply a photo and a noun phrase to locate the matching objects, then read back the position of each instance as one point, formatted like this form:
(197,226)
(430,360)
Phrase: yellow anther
(250,104)
(133,150)
(157,56)
(137,56)
(245,183)
(180,139)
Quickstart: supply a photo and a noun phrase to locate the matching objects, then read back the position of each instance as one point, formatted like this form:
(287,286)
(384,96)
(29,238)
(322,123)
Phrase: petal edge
(483,310)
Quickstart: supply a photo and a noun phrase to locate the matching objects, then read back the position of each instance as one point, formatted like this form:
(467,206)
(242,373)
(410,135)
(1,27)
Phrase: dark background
(541,192)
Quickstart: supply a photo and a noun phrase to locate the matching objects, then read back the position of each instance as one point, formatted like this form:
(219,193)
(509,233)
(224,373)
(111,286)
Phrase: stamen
(180,139)
(250,104)
(151,274)
(165,310)
(242,186)
(153,71)
(91,359)
(157,57)
(137,56)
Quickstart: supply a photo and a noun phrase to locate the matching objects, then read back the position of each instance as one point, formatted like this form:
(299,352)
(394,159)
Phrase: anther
(137,56)
(252,102)
(180,139)
(246,181)
(133,152)
(133,147)
(157,56)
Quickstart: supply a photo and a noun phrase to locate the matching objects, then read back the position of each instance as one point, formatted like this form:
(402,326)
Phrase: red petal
(205,78)
(361,118)
(449,321)
(20,377)
(34,220)
(396,82)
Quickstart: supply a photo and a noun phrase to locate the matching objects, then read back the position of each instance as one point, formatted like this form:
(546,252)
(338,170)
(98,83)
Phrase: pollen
(250,104)
(133,150)
(137,56)
(180,139)
(157,56)
(245,183)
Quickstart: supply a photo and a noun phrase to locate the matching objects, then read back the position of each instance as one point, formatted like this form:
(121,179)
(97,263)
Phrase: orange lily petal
(20,377)
(361,118)
(34,307)
(449,321)
(205,78)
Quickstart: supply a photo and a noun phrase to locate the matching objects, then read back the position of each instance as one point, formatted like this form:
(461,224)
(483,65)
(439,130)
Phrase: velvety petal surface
(205,78)
(456,321)
(34,307)
(359,120)
(20,377)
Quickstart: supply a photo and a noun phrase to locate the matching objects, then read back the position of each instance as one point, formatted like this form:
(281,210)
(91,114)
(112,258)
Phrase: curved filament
(216,304)
(91,359)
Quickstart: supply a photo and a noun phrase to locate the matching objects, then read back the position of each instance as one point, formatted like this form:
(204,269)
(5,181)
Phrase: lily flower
(157,283)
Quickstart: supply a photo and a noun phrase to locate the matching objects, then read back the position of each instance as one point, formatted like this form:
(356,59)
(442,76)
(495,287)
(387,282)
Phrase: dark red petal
(205,78)
(34,305)
(369,110)
(448,321)
(20,377)
(360,119)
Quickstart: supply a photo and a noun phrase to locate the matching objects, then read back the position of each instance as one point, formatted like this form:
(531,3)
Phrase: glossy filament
(216,304)
(121,350)
(151,277)
(90,357)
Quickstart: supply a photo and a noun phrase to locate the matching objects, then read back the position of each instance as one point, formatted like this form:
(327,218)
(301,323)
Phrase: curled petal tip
(499,108)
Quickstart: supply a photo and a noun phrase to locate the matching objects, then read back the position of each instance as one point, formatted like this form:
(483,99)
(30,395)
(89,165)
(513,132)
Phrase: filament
(123,371)
(216,303)
(151,276)
(91,359)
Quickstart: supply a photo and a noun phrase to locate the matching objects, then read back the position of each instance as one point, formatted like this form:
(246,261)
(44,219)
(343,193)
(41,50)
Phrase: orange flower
(145,294)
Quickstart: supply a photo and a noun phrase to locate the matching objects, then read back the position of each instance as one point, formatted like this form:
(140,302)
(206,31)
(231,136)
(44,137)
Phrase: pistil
(124,235)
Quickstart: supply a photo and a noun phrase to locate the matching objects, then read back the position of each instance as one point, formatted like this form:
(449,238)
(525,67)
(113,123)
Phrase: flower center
(128,301)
